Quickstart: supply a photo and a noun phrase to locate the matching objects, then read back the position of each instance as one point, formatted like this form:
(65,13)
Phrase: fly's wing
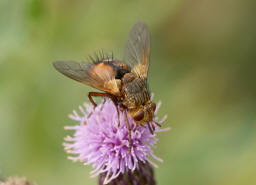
(97,75)
(137,50)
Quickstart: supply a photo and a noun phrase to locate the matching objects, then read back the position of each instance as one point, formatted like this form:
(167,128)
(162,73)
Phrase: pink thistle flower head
(101,142)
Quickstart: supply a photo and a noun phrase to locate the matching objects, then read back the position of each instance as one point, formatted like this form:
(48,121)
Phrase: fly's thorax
(134,90)
(143,114)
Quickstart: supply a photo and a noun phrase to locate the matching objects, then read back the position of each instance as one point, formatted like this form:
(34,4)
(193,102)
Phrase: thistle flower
(99,140)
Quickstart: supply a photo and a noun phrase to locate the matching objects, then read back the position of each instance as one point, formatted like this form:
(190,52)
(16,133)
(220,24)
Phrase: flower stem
(143,175)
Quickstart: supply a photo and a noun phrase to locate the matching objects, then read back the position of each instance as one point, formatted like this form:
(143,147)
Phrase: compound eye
(153,106)
(139,116)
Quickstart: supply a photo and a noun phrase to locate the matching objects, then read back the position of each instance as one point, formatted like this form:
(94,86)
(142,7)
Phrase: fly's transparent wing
(76,71)
(99,76)
(137,49)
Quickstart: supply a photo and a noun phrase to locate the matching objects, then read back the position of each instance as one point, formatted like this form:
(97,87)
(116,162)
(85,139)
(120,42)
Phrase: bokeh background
(202,69)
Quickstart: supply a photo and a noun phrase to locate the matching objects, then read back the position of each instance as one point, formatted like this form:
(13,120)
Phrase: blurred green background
(202,68)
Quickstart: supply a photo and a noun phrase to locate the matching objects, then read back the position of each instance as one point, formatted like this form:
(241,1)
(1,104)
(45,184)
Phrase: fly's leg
(99,94)
(157,124)
(129,130)
(150,129)
(117,110)
(103,103)
(95,94)
(153,127)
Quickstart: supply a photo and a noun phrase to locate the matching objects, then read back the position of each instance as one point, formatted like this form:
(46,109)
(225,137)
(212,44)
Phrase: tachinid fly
(124,82)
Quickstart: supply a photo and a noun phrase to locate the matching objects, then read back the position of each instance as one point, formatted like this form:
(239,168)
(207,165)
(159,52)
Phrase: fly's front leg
(96,94)
(99,94)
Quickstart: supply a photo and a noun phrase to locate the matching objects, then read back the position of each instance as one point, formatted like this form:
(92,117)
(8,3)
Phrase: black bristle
(100,56)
